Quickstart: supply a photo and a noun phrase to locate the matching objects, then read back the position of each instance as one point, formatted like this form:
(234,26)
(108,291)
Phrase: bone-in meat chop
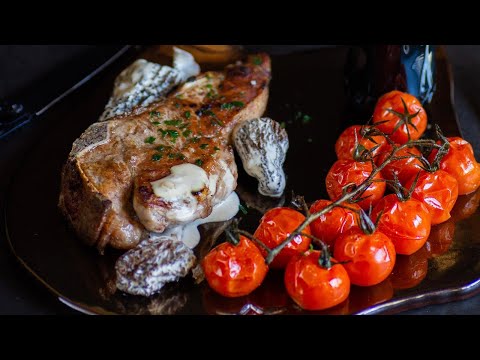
(166,166)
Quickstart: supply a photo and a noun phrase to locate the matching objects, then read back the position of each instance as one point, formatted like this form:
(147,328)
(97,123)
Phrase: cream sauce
(189,233)
(184,180)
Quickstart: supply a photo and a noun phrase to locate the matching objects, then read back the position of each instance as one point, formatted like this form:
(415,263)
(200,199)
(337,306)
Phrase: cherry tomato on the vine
(333,223)
(368,258)
(235,270)
(437,190)
(275,226)
(461,164)
(314,287)
(403,168)
(407,223)
(344,172)
(400,123)
(346,142)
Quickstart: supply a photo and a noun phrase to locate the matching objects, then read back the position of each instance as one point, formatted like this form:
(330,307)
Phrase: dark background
(26,70)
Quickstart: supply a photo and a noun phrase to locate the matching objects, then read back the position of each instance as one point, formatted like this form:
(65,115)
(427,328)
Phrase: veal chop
(118,183)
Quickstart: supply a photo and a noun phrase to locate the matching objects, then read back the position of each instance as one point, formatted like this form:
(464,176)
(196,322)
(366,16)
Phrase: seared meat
(107,192)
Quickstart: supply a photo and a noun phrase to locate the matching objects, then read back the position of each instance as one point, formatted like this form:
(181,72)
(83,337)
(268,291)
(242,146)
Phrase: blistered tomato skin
(393,101)
(275,226)
(333,223)
(345,145)
(313,287)
(234,271)
(403,168)
(406,223)
(368,259)
(344,172)
(438,191)
(461,164)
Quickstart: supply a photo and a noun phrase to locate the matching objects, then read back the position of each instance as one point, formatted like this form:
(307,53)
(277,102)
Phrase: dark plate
(310,82)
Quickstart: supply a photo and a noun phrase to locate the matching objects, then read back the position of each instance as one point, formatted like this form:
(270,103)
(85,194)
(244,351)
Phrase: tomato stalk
(355,192)
(358,191)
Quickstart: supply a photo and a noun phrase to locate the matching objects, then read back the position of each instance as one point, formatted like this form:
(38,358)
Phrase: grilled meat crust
(113,162)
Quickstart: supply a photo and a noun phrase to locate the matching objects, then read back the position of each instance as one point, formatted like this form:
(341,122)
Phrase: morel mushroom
(145,269)
(262,145)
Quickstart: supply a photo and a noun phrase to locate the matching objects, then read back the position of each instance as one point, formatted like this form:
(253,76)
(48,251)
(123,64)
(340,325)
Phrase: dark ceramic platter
(310,82)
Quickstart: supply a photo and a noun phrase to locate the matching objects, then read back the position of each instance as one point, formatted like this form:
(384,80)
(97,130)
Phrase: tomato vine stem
(356,192)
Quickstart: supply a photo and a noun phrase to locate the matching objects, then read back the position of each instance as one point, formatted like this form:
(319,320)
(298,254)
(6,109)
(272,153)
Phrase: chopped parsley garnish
(198,162)
(231,105)
(210,86)
(155,113)
(187,114)
(156,122)
(156,157)
(195,139)
(176,156)
(150,140)
(211,94)
(173,134)
(177,105)
(304,117)
(214,116)
(183,126)
(218,121)
(257,60)
(203,146)
(216,148)
(179,96)
(160,148)
(172,122)
(186,133)
(243,209)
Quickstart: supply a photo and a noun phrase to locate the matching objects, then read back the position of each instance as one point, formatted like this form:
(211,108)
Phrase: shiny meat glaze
(113,163)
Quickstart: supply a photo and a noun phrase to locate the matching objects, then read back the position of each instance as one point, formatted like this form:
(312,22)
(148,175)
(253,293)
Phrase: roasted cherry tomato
(362,297)
(461,164)
(368,258)
(404,168)
(335,222)
(438,190)
(440,239)
(346,142)
(466,206)
(407,223)
(275,226)
(314,287)
(410,270)
(344,172)
(400,122)
(235,270)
